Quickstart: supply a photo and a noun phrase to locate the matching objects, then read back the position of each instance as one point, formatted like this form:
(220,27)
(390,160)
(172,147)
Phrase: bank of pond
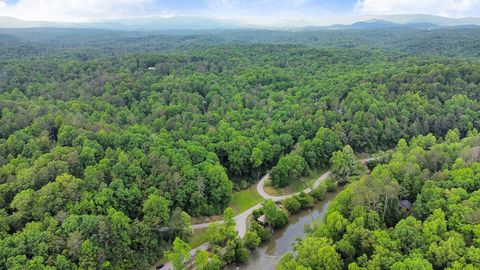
(282,240)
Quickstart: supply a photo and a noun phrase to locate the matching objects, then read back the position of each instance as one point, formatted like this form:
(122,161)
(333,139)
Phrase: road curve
(241,219)
(266,196)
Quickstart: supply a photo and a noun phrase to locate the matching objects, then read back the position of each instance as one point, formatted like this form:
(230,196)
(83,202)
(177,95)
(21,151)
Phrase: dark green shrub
(319,192)
(261,231)
(331,185)
(251,240)
(292,205)
(306,200)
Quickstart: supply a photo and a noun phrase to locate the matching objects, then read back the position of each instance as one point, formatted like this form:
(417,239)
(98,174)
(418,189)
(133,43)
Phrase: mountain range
(423,21)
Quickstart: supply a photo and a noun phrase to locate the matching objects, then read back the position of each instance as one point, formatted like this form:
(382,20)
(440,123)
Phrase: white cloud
(254,5)
(254,11)
(79,10)
(453,8)
(264,11)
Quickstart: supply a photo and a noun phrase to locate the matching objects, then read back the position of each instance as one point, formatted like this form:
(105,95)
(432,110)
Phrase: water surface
(266,256)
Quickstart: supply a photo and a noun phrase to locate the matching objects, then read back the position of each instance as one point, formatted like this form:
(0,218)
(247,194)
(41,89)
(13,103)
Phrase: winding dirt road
(241,219)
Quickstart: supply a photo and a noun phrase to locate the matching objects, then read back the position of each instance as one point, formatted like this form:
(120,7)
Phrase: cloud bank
(247,10)
(269,10)
(80,10)
(88,10)
(450,8)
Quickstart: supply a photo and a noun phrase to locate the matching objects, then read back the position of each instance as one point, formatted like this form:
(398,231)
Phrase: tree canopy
(368,227)
(103,159)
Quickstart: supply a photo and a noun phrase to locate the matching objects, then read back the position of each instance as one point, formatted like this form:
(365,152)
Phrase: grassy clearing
(241,201)
(244,199)
(198,237)
(297,185)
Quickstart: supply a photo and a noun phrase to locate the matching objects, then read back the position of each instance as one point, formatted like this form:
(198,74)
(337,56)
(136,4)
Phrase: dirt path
(241,219)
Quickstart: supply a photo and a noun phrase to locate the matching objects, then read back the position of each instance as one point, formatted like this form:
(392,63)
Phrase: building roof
(406,204)
(261,219)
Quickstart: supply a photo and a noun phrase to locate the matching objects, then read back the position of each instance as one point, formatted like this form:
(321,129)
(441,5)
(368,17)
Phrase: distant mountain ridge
(427,18)
(157,23)
(383,24)
(132,24)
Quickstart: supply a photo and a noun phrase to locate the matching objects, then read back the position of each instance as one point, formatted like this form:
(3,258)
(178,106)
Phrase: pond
(266,256)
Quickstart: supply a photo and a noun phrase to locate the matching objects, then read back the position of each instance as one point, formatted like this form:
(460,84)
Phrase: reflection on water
(267,255)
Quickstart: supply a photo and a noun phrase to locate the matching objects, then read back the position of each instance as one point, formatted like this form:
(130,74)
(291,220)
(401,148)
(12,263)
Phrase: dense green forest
(105,156)
(365,228)
(85,44)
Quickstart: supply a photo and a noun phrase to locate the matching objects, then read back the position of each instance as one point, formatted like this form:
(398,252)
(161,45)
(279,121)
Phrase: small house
(151,68)
(261,220)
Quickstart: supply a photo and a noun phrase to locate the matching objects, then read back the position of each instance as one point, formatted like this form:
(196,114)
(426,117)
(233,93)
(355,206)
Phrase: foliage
(85,44)
(344,165)
(288,168)
(251,239)
(103,160)
(330,185)
(313,253)
(179,255)
(305,199)
(292,205)
(298,202)
(262,232)
(273,215)
(226,244)
(367,228)
(207,261)
(319,192)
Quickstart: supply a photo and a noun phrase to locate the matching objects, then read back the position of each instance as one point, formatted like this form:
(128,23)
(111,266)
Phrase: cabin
(405,204)
(151,68)
(261,220)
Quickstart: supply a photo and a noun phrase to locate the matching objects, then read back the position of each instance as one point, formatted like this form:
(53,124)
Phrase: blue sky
(247,10)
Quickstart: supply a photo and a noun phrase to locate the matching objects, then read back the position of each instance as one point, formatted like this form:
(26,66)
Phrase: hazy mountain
(204,23)
(133,24)
(174,23)
(364,25)
(10,22)
(426,18)
(383,24)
